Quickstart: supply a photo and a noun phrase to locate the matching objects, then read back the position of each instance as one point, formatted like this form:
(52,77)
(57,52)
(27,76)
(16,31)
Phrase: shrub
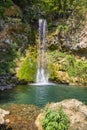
(3,4)
(27,66)
(8,55)
(27,70)
(76,67)
(55,120)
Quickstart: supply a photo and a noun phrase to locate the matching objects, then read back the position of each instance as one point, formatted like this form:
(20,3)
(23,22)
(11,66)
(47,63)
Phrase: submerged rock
(76,111)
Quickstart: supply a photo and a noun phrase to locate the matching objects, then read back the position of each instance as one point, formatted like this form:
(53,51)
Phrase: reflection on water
(41,95)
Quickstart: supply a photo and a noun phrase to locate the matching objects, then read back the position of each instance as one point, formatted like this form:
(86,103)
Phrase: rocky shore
(20,117)
(28,117)
(7,81)
(3,113)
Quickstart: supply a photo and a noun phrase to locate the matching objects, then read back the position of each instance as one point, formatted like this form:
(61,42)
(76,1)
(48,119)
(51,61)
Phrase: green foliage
(7,57)
(63,27)
(27,67)
(3,4)
(32,10)
(56,60)
(76,67)
(7,67)
(54,68)
(8,3)
(51,9)
(55,120)
(59,8)
(27,70)
(54,55)
(68,63)
(1,11)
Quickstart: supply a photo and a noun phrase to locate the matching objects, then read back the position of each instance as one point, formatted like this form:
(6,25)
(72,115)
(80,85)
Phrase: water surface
(41,95)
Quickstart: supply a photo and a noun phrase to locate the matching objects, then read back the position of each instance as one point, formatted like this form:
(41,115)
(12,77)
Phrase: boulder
(75,109)
(2,115)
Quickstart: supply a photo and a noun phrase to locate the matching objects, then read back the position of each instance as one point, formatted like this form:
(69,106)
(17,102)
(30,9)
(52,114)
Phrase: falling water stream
(42,74)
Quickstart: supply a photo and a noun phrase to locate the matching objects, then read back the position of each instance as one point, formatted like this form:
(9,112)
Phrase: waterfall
(42,75)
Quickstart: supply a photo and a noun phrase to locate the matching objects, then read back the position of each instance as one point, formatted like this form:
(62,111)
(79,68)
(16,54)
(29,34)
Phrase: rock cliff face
(16,35)
(7,47)
(82,39)
(76,111)
(74,40)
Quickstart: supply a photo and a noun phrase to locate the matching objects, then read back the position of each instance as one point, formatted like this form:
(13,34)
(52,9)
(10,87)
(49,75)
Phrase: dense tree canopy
(51,9)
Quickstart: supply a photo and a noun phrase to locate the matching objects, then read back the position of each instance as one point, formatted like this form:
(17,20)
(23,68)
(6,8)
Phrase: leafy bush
(3,4)
(27,70)
(8,3)
(54,68)
(63,27)
(76,67)
(69,63)
(27,66)
(7,58)
(55,120)
(54,55)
